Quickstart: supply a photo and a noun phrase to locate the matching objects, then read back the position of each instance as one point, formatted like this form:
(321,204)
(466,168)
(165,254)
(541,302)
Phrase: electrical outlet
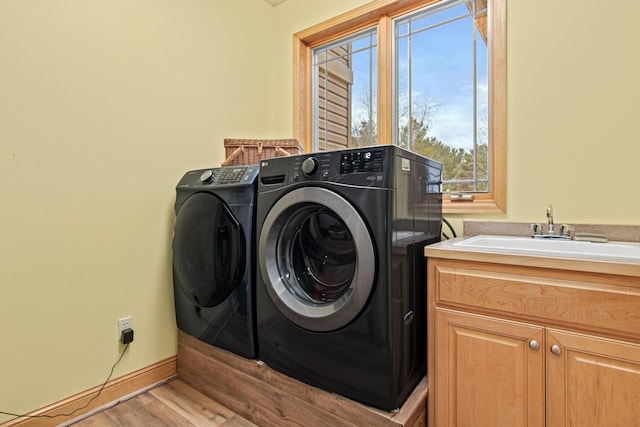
(124,323)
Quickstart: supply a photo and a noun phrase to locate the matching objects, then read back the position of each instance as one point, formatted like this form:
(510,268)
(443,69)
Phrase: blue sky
(442,74)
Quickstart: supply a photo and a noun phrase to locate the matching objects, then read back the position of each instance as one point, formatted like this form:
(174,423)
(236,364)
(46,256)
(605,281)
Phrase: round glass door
(317,259)
(208,250)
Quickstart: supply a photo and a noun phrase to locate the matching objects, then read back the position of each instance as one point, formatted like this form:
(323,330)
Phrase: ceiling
(275,2)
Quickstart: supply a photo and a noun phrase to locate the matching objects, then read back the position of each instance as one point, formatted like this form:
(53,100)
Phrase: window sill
(477,206)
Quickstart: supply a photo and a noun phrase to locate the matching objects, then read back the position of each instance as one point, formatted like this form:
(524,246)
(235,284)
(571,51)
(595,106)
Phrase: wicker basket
(251,151)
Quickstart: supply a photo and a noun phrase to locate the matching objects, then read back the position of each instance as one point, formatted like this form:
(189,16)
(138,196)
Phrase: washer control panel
(376,166)
(361,161)
(365,166)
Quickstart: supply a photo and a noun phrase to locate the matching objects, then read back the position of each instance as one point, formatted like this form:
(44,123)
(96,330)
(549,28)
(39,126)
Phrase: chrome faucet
(550,230)
(566,231)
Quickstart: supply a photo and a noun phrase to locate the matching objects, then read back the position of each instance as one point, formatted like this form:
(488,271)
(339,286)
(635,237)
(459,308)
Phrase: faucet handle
(567,231)
(536,228)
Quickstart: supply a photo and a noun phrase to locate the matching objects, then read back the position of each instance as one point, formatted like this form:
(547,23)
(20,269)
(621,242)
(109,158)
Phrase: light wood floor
(171,404)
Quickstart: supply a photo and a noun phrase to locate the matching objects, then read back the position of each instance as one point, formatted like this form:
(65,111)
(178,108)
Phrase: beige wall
(105,104)
(573,108)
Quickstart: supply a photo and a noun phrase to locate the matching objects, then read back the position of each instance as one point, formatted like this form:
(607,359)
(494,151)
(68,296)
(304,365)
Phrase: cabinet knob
(534,345)
(555,349)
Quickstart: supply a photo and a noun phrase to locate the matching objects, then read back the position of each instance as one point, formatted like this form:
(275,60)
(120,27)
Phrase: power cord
(448,224)
(86,405)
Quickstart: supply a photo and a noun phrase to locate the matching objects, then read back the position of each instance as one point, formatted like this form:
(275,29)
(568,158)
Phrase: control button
(206,176)
(309,166)
(232,176)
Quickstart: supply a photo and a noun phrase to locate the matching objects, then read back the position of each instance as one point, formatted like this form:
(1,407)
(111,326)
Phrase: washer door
(208,250)
(317,259)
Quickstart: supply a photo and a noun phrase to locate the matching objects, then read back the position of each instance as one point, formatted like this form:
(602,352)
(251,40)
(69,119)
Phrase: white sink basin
(568,248)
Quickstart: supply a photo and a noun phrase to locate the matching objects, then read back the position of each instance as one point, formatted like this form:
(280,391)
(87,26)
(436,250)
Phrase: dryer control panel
(216,177)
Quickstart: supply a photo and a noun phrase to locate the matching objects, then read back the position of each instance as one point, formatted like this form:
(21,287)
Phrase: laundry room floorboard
(171,404)
(268,398)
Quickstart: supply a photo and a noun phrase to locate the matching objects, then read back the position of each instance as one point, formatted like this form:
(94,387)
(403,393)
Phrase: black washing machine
(214,257)
(341,283)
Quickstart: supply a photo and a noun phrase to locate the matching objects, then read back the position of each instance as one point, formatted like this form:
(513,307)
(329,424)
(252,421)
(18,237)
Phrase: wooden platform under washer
(268,398)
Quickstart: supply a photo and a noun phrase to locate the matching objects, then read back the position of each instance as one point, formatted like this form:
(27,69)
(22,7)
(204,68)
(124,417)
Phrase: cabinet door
(592,381)
(489,372)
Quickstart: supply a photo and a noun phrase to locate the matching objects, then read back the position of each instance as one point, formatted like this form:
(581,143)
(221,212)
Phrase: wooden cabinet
(486,372)
(522,345)
(592,381)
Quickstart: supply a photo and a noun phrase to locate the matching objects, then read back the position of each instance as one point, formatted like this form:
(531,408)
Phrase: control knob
(206,176)
(309,166)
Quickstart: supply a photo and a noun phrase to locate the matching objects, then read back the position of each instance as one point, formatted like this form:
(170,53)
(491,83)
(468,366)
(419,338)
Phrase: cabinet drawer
(597,306)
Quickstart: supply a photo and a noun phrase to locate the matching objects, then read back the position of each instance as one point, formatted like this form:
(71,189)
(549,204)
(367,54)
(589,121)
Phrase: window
(344,97)
(427,75)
